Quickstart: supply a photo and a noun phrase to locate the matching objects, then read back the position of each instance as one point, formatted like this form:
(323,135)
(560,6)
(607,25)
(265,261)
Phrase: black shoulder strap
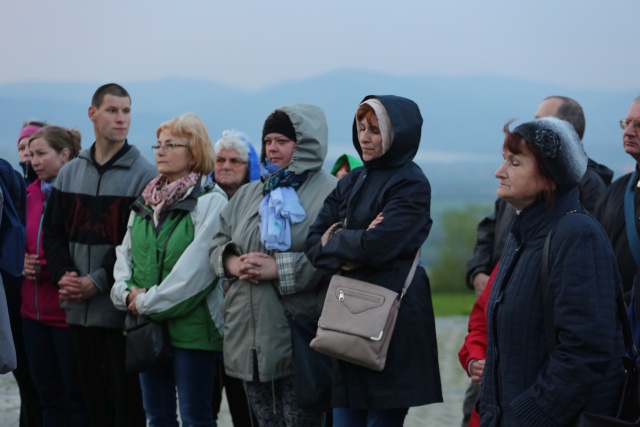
(547,311)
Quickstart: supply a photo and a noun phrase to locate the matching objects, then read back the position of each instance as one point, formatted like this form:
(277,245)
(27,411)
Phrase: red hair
(366,112)
(516,144)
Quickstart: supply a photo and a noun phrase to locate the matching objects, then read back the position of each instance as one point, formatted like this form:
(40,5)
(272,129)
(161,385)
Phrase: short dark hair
(108,89)
(571,111)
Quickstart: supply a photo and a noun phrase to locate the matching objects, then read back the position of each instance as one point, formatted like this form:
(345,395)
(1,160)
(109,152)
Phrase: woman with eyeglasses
(236,162)
(236,165)
(162,271)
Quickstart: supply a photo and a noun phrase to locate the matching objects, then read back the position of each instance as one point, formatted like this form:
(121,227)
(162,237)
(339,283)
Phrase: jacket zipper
(35,283)
(498,301)
(254,350)
(86,307)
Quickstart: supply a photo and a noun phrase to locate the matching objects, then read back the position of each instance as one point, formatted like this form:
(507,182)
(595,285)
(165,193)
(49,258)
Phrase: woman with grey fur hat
(526,381)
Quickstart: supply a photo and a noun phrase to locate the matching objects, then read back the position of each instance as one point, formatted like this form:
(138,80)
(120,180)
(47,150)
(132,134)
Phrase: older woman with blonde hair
(162,271)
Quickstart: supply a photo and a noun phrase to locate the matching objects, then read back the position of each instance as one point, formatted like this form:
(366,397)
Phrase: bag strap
(160,258)
(544,281)
(412,272)
(630,220)
(552,339)
(407,283)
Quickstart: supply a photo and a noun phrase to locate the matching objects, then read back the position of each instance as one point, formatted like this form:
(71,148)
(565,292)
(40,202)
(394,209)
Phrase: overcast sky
(252,44)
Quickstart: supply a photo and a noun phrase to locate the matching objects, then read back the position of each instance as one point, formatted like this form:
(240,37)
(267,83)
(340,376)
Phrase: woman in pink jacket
(46,336)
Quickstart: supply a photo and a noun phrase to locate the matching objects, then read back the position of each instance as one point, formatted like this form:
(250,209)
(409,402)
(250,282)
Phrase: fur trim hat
(561,149)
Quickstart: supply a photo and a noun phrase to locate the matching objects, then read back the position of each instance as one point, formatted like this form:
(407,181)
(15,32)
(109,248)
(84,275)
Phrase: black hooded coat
(394,185)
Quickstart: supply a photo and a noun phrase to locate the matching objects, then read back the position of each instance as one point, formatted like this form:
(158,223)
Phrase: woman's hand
(76,288)
(377,220)
(475,370)
(331,231)
(32,267)
(132,299)
(256,266)
(231,265)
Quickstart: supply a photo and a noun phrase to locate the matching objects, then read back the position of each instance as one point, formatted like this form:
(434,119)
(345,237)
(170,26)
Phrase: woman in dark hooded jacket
(383,211)
(527,381)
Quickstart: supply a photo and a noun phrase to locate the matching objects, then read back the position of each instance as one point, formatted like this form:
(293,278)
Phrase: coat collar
(536,218)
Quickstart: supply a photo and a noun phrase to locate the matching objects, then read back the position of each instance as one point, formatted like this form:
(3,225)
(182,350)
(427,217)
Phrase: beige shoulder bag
(357,320)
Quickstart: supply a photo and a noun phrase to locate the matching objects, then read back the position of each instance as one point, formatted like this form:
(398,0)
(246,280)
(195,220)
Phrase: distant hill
(462,134)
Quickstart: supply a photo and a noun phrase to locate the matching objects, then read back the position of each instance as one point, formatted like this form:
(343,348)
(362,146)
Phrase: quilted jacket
(524,384)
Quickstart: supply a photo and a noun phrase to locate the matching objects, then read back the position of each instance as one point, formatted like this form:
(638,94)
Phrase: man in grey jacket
(85,219)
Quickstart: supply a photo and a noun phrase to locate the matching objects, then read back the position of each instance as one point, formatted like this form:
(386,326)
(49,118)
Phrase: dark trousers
(470,397)
(55,374)
(239,407)
(30,408)
(113,395)
(191,373)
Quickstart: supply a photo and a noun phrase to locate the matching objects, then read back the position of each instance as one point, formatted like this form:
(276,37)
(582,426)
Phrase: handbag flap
(356,307)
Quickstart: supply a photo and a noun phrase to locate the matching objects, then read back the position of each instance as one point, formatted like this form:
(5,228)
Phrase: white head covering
(384,123)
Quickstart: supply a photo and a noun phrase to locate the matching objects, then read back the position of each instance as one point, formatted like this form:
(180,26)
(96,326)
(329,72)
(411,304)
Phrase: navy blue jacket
(12,224)
(394,185)
(523,384)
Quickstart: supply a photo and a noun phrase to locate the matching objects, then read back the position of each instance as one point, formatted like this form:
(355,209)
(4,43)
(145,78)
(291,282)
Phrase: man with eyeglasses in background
(622,201)
(85,219)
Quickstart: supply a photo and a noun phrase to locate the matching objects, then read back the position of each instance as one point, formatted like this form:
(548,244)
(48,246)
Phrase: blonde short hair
(190,128)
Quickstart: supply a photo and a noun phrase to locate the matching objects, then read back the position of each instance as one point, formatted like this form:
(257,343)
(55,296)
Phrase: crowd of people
(222,244)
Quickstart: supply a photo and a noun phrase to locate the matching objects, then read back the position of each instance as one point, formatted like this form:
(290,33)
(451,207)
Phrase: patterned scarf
(273,177)
(161,195)
(280,207)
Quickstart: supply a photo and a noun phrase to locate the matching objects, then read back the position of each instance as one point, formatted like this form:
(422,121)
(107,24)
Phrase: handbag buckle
(378,338)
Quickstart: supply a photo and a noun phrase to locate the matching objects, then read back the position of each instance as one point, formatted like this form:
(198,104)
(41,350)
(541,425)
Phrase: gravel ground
(451,332)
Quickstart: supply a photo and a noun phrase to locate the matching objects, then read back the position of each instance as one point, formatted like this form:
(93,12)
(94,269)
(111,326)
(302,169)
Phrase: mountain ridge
(463,116)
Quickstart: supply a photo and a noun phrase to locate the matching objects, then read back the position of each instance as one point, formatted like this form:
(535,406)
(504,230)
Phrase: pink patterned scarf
(160,195)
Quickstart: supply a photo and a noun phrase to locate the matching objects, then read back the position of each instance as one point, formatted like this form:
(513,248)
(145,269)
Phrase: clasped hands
(131,299)
(74,288)
(252,267)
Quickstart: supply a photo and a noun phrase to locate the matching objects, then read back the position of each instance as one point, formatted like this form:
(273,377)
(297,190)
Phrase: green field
(453,304)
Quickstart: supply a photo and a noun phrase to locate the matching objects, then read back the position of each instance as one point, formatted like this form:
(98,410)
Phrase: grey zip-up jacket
(85,219)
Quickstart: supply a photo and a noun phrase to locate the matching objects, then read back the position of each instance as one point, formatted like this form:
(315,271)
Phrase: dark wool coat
(394,185)
(522,384)
(610,213)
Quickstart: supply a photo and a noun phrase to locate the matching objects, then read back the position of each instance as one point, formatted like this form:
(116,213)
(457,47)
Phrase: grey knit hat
(560,147)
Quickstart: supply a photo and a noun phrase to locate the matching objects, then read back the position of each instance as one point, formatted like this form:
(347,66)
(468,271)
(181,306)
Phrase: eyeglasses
(234,161)
(168,147)
(625,122)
